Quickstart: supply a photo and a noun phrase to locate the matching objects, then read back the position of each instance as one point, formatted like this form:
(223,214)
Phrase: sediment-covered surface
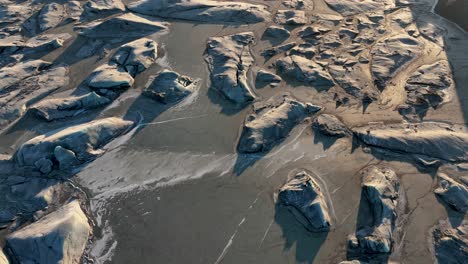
(129,25)
(28,87)
(50,16)
(125,64)
(45,43)
(435,140)
(229,59)
(28,198)
(227,115)
(170,87)
(330,125)
(83,140)
(59,237)
(20,71)
(391,55)
(453,193)
(288,17)
(304,197)
(353,7)
(203,10)
(428,87)
(103,7)
(271,122)
(384,197)
(136,56)
(304,70)
(53,109)
(110,76)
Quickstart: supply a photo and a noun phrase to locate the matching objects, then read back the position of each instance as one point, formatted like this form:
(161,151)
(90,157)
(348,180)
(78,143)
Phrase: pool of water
(454,10)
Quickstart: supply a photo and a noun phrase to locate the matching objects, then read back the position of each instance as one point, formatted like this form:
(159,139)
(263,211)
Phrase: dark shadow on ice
(261,84)
(365,104)
(227,107)
(455,218)
(274,41)
(364,212)
(30,26)
(326,141)
(307,243)
(356,143)
(245,161)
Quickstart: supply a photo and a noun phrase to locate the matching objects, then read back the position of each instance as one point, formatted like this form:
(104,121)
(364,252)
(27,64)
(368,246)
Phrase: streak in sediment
(230,241)
(266,233)
(172,120)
